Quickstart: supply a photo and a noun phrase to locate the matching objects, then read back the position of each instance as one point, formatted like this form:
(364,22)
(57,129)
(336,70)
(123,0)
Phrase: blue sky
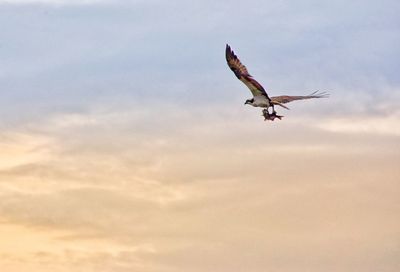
(126,145)
(65,56)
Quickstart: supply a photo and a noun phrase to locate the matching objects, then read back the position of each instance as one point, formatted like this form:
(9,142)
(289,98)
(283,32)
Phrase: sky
(125,144)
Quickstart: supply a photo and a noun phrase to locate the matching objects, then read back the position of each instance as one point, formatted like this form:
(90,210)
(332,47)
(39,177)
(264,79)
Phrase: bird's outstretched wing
(242,74)
(283,99)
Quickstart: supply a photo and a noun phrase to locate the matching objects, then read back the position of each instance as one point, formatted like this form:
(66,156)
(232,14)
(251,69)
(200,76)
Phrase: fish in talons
(270,116)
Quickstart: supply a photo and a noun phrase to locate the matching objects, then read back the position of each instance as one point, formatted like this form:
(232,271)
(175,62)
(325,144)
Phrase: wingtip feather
(318,94)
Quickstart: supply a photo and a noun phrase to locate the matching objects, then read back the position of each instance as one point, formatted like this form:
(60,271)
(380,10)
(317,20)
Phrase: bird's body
(259,101)
(260,96)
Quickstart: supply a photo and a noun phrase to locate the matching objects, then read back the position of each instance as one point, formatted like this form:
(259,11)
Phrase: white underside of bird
(260,101)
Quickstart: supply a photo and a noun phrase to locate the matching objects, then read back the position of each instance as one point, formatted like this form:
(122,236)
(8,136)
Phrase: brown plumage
(260,96)
(242,74)
(283,99)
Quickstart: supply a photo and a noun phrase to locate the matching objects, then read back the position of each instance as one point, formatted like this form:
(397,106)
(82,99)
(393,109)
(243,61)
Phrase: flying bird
(260,96)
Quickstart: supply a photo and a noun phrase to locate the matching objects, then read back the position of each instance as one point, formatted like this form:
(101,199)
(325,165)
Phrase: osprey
(260,96)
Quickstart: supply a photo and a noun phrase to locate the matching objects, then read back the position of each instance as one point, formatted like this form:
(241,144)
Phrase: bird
(260,96)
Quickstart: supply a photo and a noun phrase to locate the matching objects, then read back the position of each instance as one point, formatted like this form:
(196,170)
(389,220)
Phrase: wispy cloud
(22,148)
(386,125)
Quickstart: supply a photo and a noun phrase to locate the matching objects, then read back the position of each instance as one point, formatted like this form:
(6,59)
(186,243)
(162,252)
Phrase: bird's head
(249,101)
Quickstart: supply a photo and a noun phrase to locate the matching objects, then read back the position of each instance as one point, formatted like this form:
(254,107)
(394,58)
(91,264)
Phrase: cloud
(214,188)
(38,248)
(22,148)
(379,125)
